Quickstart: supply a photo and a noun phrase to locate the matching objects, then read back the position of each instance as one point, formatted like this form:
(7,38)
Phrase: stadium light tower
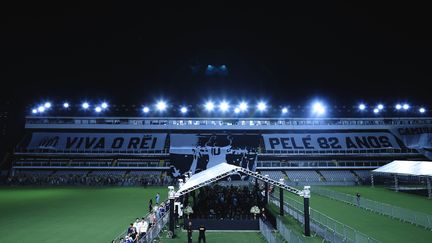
(184,110)
(85,105)
(224,106)
(362,107)
(422,110)
(146,109)
(34,111)
(209,106)
(47,105)
(376,110)
(98,109)
(380,107)
(66,105)
(398,106)
(284,110)
(237,110)
(261,106)
(405,106)
(41,109)
(318,108)
(161,105)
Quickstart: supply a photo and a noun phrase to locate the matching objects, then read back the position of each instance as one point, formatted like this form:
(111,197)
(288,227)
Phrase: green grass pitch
(380,227)
(82,214)
(71,214)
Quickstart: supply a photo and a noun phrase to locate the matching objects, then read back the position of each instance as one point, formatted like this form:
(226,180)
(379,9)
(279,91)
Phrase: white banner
(330,141)
(97,141)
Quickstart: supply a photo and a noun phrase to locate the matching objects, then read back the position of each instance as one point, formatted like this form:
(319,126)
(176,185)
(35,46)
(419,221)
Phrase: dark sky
(287,54)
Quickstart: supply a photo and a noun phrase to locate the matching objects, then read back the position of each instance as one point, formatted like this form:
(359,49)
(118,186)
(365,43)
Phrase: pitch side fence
(403,214)
(267,232)
(326,227)
(288,234)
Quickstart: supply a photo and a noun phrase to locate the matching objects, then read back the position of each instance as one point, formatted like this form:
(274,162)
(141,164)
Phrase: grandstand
(112,151)
(298,149)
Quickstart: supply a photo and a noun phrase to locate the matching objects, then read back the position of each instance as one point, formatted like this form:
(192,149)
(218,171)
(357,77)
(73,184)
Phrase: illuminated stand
(223,170)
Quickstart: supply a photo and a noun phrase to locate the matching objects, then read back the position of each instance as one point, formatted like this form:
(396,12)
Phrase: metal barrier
(406,215)
(289,235)
(323,225)
(155,230)
(267,232)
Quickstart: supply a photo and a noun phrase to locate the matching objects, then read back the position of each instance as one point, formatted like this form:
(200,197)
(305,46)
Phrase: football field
(71,214)
(100,214)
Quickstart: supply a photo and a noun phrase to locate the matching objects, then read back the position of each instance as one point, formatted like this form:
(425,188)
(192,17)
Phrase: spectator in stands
(157,198)
(150,205)
(132,231)
(358,199)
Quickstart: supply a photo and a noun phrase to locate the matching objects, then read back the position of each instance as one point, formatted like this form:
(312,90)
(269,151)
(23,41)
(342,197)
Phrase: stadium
(110,167)
(211,122)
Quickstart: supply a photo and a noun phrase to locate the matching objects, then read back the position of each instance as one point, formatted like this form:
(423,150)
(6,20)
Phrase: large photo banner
(419,138)
(98,142)
(197,152)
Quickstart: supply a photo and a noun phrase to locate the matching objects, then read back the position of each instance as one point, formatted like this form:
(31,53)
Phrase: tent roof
(404,167)
(216,172)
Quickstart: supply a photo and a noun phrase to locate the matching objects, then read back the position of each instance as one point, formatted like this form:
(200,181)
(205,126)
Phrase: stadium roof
(404,167)
(205,177)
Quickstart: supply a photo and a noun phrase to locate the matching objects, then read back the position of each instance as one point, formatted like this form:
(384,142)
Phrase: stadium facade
(321,150)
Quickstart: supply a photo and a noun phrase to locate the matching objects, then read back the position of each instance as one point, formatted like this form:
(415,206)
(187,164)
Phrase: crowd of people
(87,180)
(141,226)
(222,202)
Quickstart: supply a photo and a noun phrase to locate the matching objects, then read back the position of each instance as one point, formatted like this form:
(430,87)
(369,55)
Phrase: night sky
(130,54)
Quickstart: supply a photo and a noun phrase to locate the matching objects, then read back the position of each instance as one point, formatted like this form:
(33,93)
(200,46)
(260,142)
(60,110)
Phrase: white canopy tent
(408,168)
(216,172)
(221,171)
(405,167)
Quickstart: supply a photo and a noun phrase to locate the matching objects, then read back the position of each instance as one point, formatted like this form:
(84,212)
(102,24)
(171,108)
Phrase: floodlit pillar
(171,197)
(306,196)
(396,183)
(281,201)
(429,187)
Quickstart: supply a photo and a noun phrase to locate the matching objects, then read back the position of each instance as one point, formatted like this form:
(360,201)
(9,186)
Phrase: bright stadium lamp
(224,106)
(209,106)
(146,109)
(243,106)
(34,111)
(66,105)
(380,107)
(405,106)
(422,110)
(98,109)
(184,110)
(161,105)
(47,105)
(376,110)
(85,105)
(104,105)
(318,108)
(237,110)
(41,108)
(398,106)
(261,106)
(362,107)
(284,110)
